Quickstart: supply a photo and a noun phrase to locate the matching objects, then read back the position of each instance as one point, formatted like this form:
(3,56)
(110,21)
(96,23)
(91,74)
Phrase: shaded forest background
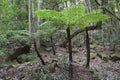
(28,44)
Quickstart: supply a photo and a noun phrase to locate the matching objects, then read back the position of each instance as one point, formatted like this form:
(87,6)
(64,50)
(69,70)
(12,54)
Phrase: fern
(51,15)
(73,16)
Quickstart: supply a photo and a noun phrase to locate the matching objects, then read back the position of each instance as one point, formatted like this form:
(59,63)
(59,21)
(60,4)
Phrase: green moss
(52,66)
(115,56)
(103,55)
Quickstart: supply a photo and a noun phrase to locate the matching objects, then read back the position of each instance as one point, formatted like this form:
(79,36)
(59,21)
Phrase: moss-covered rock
(52,67)
(18,52)
(102,55)
(115,57)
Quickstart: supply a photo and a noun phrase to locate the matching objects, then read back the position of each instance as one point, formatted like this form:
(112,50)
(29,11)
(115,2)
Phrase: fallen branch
(107,10)
(63,44)
(38,54)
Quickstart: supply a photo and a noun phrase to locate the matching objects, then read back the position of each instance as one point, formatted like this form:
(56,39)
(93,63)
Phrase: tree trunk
(63,44)
(88,6)
(87,48)
(53,46)
(38,23)
(29,14)
(38,19)
(70,54)
(69,42)
(38,54)
(118,7)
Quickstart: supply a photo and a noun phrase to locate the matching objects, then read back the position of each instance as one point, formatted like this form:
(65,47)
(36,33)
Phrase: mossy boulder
(103,55)
(115,57)
(16,55)
(52,67)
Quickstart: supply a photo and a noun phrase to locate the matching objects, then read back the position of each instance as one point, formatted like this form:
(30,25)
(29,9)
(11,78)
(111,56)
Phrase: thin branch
(108,11)
(38,54)
(63,44)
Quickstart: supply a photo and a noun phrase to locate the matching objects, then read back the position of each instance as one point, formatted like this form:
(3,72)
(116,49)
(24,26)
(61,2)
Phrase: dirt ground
(99,68)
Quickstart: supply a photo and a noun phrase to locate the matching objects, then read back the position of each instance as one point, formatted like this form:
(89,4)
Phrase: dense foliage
(72,16)
(32,29)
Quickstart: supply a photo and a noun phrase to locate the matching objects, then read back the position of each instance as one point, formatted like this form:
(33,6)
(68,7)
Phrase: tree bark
(88,6)
(53,46)
(38,54)
(38,19)
(70,54)
(118,7)
(69,42)
(87,48)
(29,14)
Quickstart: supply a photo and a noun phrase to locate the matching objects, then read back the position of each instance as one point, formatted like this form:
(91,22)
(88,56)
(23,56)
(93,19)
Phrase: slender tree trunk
(38,23)
(88,10)
(63,44)
(29,14)
(69,42)
(118,7)
(87,48)
(53,46)
(70,54)
(88,5)
(77,1)
(114,24)
(38,19)
(102,3)
(33,17)
(38,54)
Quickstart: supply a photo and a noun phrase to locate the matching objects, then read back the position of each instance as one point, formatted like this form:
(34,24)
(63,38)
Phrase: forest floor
(100,69)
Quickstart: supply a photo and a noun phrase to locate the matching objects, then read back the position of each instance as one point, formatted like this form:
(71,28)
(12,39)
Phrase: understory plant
(70,17)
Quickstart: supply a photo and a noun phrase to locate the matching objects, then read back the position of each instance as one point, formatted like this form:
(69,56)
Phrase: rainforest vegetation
(59,39)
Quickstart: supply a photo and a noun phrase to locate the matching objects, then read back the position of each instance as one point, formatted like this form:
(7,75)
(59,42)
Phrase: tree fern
(51,15)
(73,16)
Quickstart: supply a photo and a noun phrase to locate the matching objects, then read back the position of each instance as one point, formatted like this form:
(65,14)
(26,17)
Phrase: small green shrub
(14,36)
(3,40)
(2,53)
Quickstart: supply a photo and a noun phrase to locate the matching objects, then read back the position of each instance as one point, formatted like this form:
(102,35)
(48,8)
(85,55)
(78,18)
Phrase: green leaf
(46,24)
(94,16)
(71,13)
(49,14)
(74,15)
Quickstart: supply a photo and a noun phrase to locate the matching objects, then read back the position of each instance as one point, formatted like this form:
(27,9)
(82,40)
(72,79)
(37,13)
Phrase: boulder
(18,52)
